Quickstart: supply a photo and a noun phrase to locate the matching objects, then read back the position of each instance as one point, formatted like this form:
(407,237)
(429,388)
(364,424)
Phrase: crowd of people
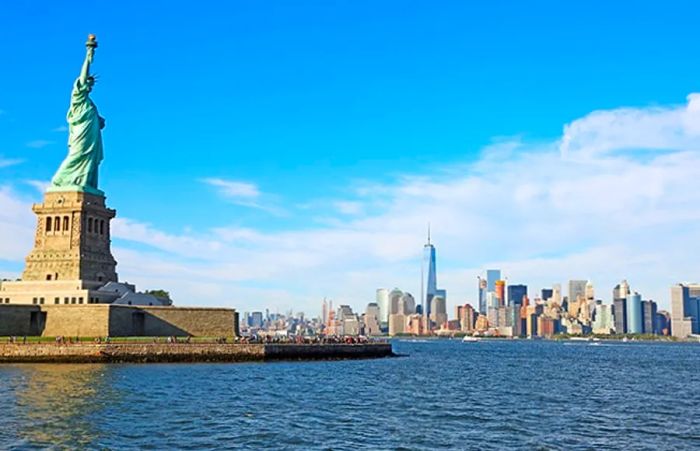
(254,339)
(299,339)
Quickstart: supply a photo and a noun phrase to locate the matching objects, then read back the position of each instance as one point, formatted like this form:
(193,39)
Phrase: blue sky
(234,130)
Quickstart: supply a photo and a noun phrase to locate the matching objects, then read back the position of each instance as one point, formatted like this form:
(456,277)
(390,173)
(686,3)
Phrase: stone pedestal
(72,240)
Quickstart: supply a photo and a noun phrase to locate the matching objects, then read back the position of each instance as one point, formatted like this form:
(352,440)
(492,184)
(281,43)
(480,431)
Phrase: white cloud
(234,189)
(349,207)
(40,185)
(245,194)
(625,129)
(16,226)
(176,244)
(6,162)
(39,143)
(60,128)
(589,205)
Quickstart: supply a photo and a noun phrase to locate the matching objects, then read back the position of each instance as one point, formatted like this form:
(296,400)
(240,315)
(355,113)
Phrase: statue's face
(90,83)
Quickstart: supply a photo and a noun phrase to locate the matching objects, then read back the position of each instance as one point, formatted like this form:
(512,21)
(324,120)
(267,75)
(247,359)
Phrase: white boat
(470,339)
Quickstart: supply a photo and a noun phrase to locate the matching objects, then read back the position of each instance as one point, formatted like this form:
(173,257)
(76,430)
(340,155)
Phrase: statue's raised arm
(90,45)
(79,171)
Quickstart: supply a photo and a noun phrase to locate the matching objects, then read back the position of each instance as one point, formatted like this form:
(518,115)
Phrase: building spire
(428,233)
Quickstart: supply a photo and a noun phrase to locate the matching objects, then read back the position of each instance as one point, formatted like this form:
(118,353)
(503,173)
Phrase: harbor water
(440,394)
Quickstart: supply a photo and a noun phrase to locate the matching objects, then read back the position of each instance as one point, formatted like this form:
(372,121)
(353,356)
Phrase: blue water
(443,395)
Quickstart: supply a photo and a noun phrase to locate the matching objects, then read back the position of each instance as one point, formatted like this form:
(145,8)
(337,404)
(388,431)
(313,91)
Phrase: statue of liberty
(78,172)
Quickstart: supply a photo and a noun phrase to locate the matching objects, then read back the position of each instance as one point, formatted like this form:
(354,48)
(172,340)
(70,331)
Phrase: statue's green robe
(79,170)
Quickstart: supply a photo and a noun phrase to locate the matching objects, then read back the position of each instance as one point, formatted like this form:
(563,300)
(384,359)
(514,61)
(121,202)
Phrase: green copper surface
(79,170)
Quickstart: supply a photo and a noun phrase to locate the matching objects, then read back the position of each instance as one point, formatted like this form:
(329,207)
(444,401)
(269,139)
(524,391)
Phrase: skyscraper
(438,310)
(492,275)
(466,316)
(371,319)
(577,288)
(663,322)
(407,304)
(429,288)
(590,292)
(685,310)
(482,295)
(620,314)
(556,294)
(603,321)
(516,293)
(394,298)
(501,292)
(428,276)
(634,313)
(621,290)
(649,321)
(383,303)
(547,293)
(256,320)
(491,301)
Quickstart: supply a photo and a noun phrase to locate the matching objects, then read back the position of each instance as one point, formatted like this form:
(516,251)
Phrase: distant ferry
(470,339)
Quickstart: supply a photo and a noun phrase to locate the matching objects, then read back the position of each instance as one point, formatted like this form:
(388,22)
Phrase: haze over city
(551,149)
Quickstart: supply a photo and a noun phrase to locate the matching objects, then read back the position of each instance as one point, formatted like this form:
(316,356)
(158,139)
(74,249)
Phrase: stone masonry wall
(76,320)
(181,352)
(182,321)
(101,320)
(16,319)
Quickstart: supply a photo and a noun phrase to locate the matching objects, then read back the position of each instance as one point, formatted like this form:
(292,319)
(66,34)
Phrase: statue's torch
(91,42)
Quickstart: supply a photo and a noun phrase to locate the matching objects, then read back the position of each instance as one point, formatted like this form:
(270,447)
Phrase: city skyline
(317,178)
(502,309)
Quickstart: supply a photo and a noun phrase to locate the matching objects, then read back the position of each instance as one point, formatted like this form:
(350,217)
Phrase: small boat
(470,339)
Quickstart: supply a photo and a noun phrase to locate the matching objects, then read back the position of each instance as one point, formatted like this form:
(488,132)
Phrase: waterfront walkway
(152,352)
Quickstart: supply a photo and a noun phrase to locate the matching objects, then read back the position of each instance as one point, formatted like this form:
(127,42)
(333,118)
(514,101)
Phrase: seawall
(184,352)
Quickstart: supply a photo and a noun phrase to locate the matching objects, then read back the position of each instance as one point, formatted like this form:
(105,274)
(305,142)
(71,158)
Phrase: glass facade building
(429,277)
(383,303)
(634,314)
(547,293)
(516,293)
(492,275)
(482,295)
(649,321)
(620,313)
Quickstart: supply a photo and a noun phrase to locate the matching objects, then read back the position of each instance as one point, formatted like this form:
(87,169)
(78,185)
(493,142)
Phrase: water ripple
(444,395)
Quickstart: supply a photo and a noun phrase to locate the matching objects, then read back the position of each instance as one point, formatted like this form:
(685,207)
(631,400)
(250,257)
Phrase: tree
(159,293)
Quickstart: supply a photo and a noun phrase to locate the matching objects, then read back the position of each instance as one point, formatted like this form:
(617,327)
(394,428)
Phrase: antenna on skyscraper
(428,232)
